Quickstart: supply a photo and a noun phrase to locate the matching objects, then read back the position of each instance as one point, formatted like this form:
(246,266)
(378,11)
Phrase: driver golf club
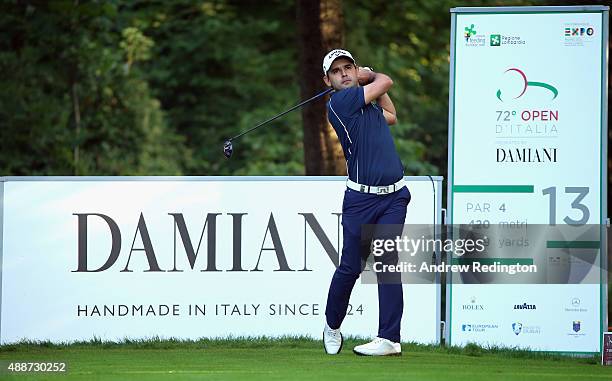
(228,147)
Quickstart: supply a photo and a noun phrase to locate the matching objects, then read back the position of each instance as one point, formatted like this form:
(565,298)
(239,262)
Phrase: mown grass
(286,342)
(291,358)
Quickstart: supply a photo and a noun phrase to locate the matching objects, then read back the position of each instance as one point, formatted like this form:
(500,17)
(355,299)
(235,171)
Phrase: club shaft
(283,113)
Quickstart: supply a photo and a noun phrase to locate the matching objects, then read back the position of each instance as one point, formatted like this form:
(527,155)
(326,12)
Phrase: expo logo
(579,32)
(518,84)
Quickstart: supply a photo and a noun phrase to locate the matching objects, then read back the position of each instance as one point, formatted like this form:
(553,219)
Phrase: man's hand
(365,76)
(375,88)
(380,84)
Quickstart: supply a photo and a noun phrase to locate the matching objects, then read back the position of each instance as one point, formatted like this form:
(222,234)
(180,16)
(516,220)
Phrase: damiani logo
(192,252)
(527,84)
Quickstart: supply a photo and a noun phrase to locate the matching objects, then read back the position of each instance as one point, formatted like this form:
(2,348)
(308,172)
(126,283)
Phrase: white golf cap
(331,57)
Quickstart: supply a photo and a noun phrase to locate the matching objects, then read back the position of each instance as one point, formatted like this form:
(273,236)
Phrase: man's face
(342,74)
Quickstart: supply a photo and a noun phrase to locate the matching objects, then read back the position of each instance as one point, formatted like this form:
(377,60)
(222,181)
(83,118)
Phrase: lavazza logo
(525,306)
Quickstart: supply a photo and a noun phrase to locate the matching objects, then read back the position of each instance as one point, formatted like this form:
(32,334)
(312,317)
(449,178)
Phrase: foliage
(152,87)
(69,104)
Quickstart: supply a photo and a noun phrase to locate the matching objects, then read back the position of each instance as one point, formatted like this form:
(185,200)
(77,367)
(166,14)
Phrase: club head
(228,148)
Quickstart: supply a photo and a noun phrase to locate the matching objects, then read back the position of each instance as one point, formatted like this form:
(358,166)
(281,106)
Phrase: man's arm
(385,103)
(375,86)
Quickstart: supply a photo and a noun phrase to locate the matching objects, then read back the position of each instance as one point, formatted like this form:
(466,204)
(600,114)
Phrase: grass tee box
(293,358)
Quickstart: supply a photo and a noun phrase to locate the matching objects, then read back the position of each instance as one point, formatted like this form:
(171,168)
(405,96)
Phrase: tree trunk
(77,126)
(321,29)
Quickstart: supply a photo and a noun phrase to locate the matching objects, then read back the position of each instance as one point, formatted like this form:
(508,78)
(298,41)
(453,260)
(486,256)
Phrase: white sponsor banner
(527,89)
(187,258)
(554,317)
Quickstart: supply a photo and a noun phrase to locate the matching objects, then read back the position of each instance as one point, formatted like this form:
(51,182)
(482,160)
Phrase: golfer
(361,111)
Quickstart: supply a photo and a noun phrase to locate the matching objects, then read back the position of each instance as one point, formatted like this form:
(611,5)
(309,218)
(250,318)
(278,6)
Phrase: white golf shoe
(379,347)
(332,340)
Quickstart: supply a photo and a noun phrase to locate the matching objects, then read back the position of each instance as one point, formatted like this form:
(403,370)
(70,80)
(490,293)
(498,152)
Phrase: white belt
(375,189)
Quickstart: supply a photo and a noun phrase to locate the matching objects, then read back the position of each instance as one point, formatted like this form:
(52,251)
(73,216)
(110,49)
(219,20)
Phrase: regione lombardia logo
(516,81)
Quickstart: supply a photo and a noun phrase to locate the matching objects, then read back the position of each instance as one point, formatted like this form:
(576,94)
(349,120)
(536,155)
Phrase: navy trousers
(361,209)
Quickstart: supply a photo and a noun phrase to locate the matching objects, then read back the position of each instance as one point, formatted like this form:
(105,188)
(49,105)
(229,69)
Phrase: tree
(321,29)
(69,105)
(219,68)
